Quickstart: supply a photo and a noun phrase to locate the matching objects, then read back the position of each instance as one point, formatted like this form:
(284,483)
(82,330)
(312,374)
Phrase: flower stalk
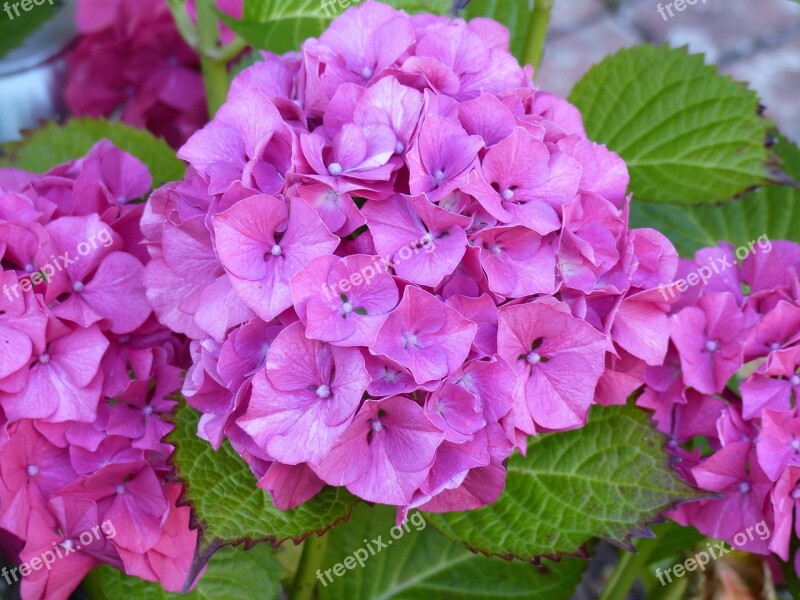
(305,580)
(539,23)
(628,569)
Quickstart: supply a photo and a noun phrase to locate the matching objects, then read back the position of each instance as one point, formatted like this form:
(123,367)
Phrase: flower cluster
(732,375)
(130,58)
(396,259)
(85,377)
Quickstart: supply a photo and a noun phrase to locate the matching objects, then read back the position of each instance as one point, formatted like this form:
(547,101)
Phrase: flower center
(120,489)
(324,391)
(439,176)
(410,339)
(795,444)
(399,147)
(44,358)
(347,308)
(744,487)
(148,410)
(533,357)
(276,250)
(125,339)
(335,169)
(366,73)
(29,268)
(78,287)
(796,493)
(712,345)
(33,470)
(495,249)
(507,194)
(795,380)
(376,425)
(774,346)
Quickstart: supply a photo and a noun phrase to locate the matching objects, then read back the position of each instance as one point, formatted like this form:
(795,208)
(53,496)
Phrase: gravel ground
(755,41)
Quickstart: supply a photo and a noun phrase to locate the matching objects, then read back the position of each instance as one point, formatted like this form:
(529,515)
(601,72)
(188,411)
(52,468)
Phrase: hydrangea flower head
(405,258)
(86,373)
(732,375)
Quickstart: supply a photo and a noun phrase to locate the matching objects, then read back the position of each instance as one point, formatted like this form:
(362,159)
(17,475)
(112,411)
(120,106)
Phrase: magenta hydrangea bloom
(308,388)
(396,258)
(736,326)
(558,360)
(132,59)
(86,375)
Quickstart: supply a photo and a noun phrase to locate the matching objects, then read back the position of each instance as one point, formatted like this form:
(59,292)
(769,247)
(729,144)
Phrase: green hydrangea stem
(305,580)
(215,70)
(540,21)
(628,569)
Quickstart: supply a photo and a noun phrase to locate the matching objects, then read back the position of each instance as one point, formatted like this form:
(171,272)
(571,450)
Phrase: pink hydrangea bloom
(85,378)
(396,258)
(723,340)
(131,58)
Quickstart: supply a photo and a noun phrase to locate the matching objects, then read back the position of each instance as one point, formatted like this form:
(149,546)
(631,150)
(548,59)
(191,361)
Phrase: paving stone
(569,15)
(569,56)
(719,27)
(775,74)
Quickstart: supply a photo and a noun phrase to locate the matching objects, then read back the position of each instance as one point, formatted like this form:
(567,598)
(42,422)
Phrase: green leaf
(53,144)
(421,563)
(228,506)
(280,26)
(608,480)
(438,7)
(773,211)
(514,14)
(232,573)
(688,134)
(14,32)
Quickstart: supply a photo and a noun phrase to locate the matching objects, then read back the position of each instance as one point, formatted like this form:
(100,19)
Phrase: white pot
(32,76)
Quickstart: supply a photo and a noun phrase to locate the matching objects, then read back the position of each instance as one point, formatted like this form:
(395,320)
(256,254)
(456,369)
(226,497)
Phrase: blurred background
(755,41)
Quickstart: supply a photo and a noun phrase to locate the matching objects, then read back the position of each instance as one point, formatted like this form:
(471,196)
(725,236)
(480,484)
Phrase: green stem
(215,70)
(540,21)
(628,569)
(305,580)
(230,51)
(184,24)
(675,590)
